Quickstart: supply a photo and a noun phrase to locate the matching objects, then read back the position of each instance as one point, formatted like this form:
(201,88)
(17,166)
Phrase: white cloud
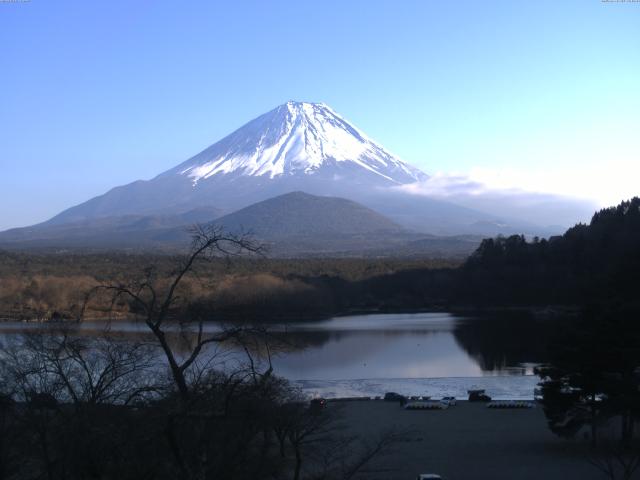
(604,185)
(512,194)
(444,185)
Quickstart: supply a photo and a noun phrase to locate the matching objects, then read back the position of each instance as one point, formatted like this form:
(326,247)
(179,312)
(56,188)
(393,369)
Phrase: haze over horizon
(539,97)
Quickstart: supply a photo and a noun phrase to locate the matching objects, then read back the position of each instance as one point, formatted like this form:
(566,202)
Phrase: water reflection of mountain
(403,345)
(496,342)
(304,339)
(504,340)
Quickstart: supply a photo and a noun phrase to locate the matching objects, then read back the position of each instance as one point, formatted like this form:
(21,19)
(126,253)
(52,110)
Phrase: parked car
(394,397)
(451,401)
(537,394)
(429,476)
(478,396)
(317,405)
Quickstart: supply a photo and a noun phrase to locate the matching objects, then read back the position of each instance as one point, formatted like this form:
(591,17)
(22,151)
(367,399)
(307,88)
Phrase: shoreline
(498,387)
(543,311)
(466,441)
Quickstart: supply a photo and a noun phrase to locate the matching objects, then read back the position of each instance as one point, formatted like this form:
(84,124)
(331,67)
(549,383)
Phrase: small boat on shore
(426,405)
(510,404)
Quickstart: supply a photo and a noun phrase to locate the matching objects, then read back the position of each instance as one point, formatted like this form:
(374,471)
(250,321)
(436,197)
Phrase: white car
(451,401)
(429,476)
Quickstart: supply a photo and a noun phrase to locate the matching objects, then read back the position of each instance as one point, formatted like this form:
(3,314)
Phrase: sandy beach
(467,442)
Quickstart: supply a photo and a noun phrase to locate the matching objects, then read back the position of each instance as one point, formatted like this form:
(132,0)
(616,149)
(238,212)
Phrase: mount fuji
(296,140)
(296,147)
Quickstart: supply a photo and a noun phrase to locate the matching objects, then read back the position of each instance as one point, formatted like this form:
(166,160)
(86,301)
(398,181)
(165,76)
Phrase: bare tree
(72,394)
(78,370)
(76,395)
(8,458)
(317,440)
(615,459)
(157,305)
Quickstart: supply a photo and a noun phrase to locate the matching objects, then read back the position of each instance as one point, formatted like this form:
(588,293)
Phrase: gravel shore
(467,441)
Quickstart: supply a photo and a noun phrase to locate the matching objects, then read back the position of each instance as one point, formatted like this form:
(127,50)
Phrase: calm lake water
(424,345)
(380,346)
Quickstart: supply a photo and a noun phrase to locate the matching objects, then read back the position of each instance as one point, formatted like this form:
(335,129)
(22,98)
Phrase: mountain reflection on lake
(419,345)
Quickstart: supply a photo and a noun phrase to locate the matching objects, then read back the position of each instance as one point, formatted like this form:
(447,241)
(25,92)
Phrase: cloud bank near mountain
(543,208)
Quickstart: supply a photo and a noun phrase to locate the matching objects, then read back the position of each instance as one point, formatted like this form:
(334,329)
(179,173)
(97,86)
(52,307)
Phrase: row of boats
(444,404)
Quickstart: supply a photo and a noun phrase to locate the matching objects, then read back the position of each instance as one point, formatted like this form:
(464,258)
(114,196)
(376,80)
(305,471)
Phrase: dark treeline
(589,263)
(110,265)
(42,286)
(590,386)
(593,372)
(590,383)
(594,263)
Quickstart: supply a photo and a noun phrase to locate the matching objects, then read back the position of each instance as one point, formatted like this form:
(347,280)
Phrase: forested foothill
(590,387)
(592,263)
(41,286)
(599,262)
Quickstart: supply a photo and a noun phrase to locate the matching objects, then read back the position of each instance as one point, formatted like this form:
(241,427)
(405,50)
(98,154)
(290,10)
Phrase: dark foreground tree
(615,460)
(592,377)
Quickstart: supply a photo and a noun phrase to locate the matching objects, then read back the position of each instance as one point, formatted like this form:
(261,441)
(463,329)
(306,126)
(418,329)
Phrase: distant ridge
(295,224)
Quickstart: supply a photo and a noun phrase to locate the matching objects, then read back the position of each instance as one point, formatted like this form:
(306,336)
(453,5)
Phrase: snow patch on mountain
(297,138)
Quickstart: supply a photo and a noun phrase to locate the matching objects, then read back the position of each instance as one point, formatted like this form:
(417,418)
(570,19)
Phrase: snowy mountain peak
(298,138)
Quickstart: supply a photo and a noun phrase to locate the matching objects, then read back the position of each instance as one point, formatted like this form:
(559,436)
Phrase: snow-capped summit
(298,138)
(297,146)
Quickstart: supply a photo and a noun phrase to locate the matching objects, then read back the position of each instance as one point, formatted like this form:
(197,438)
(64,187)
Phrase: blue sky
(537,95)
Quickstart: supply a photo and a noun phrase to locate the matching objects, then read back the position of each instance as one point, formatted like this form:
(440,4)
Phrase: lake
(417,354)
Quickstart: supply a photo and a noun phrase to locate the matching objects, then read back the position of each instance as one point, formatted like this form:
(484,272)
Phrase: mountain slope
(296,146)
(122,231)
(299,224)
(300,214)
(291,225)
